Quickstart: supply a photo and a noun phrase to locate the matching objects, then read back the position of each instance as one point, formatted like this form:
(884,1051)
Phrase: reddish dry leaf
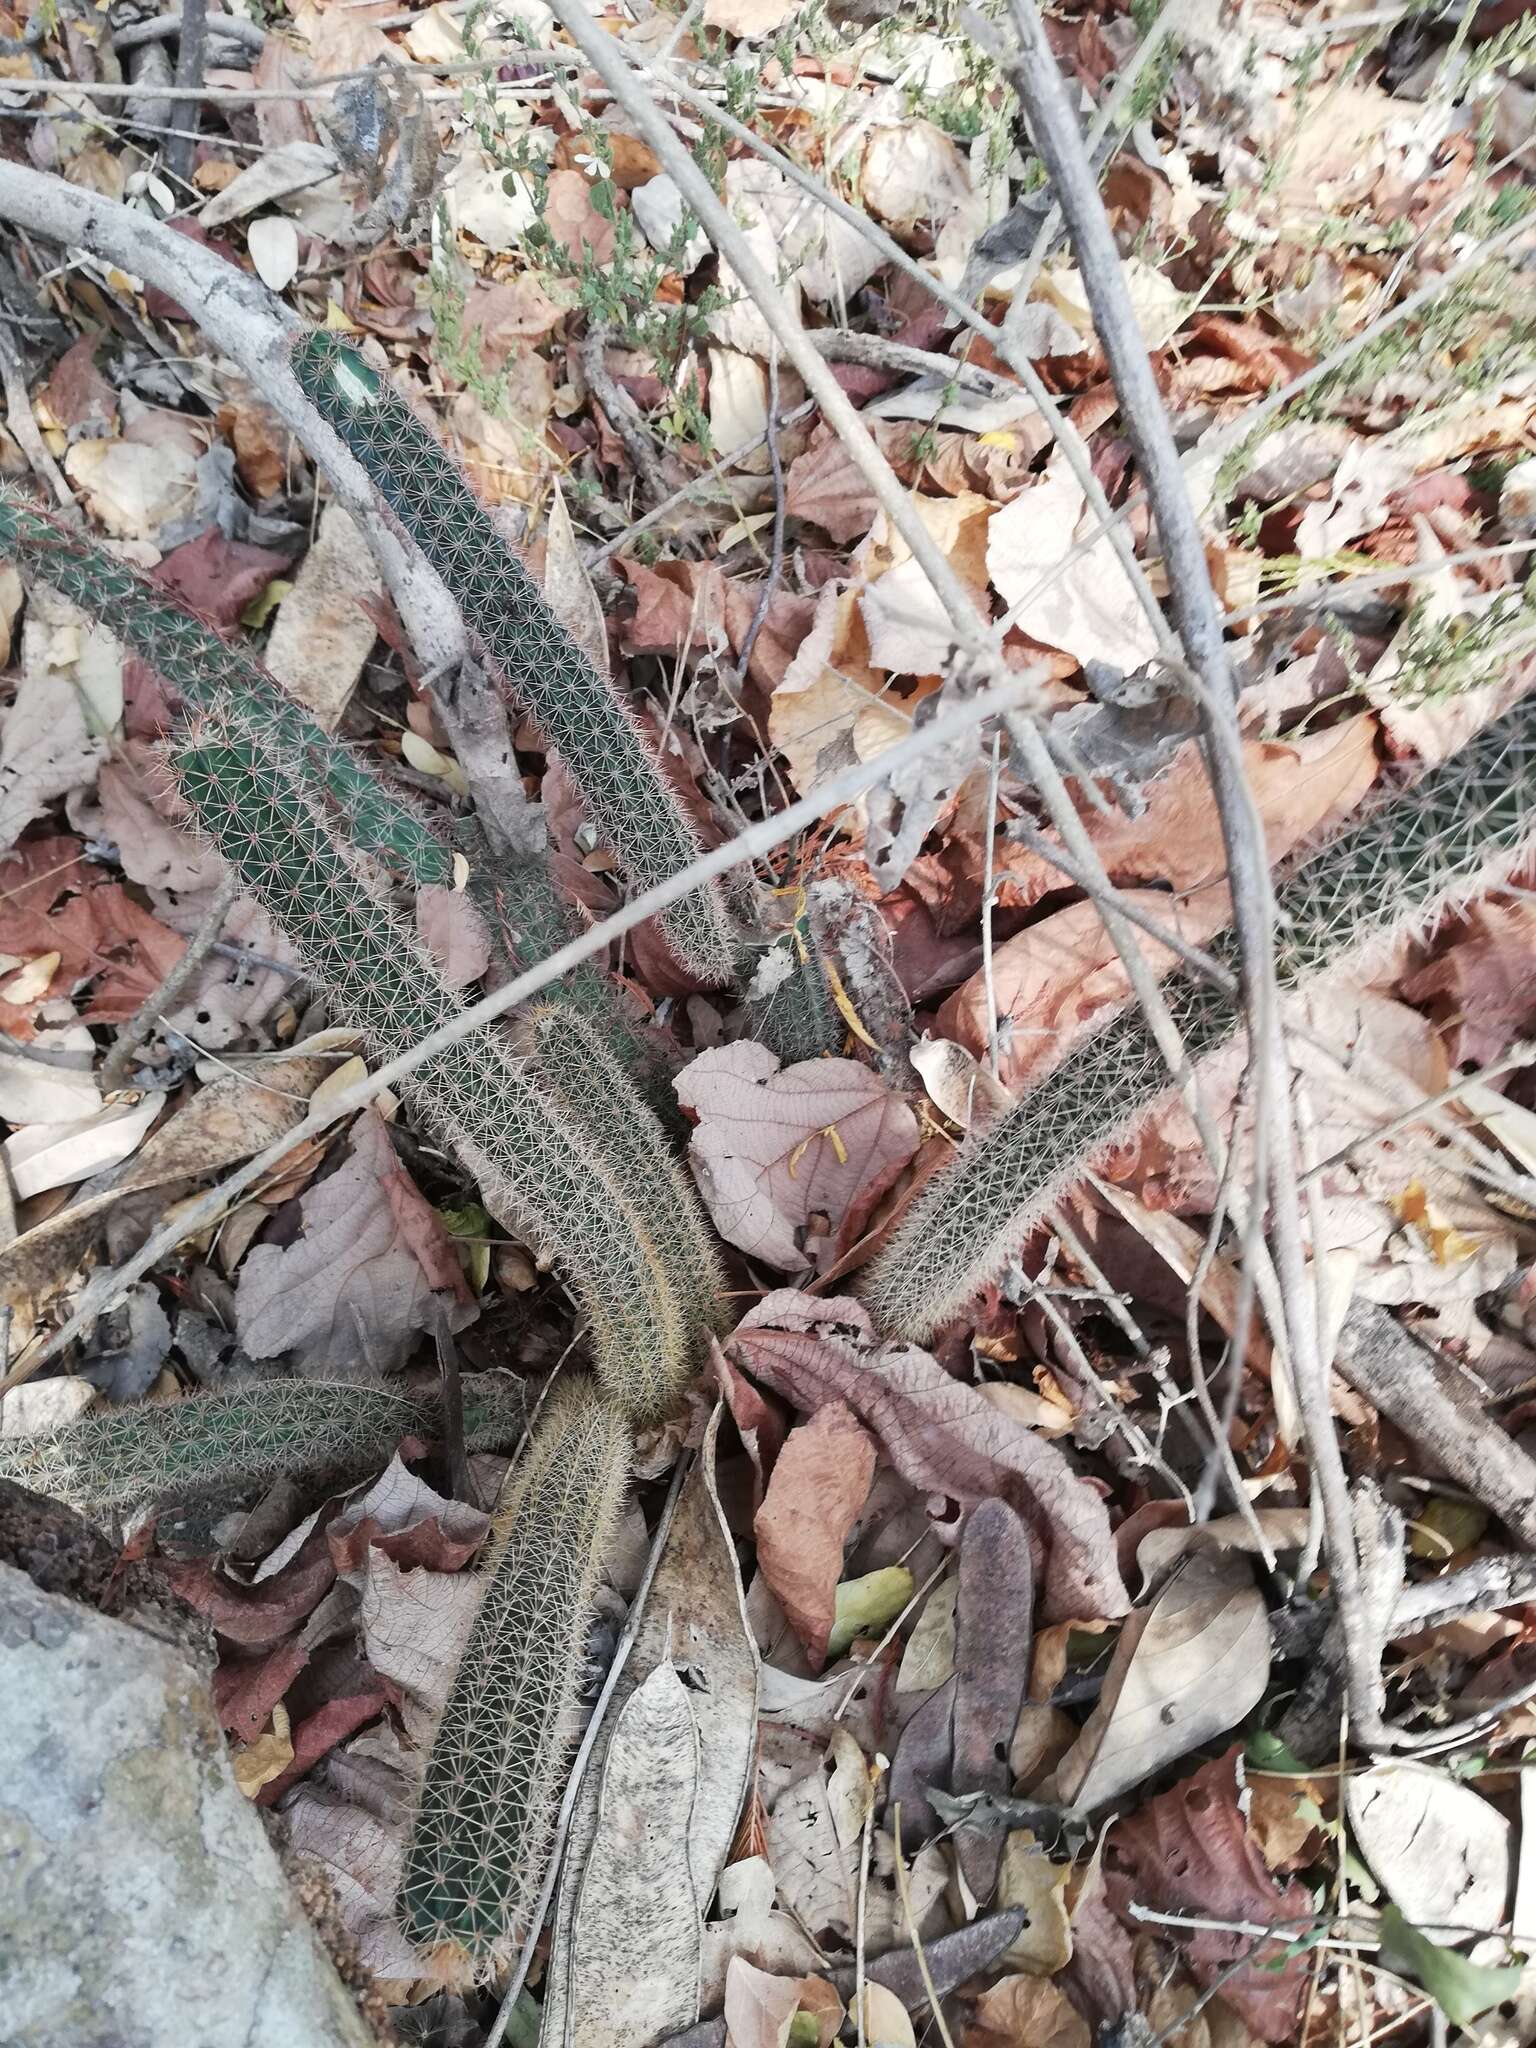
(943,1437)
(256,1617)
(817,1491)
(245,1693)
(994,1626)
(758,2007)
(318,1734)
(369,1273)
(53,901)
(1481,987)
(409,1522)
(77,397)
(776,1148)
(695,606)
(1190,1851)
(218,578)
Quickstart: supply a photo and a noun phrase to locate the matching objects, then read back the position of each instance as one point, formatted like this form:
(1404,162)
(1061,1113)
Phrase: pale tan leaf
(1193,1665)
(45,1156)
(1439,1848)
(323,631)
(635,1953)
(1086,606)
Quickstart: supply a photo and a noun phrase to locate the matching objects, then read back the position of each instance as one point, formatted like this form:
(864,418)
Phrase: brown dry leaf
(1026,2012)
(1059,977)
(1189,1851)
(568,588)
(1480,988)
(817,1491)
(1188,1668)
(994,1628)
(776,1148)
(943,1437)
(827,712)
(370,1272)
(260,442)
(324,630)
(574,222)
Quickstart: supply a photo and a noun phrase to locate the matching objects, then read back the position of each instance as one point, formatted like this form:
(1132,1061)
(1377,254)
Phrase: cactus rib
(1459,826)
(485,1821)
(580,714)
(592,1095)
(118,1460)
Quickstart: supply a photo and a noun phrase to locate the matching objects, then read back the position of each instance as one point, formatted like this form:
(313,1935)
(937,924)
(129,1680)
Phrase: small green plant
(115,1461)
(1459,827)
(481,1841)
(596,734)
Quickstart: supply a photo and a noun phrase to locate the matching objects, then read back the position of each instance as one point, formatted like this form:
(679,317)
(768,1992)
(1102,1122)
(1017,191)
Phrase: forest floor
(1046,1612)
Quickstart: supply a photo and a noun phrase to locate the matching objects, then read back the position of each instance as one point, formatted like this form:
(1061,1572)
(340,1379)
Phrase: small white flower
(591,165)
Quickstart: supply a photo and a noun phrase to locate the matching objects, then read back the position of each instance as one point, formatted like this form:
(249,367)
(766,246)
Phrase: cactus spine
(1406,861)
(116,1461)
(579,712)
(481,1841)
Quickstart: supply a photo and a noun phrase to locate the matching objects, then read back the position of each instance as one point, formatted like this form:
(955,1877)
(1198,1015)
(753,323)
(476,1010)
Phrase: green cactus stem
(485,1822)
(113,1462)
(206,671)
(1413,855)
(535,1174)
(579,712)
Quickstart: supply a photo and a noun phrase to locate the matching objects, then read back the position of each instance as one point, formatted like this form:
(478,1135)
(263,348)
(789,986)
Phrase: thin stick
(975,641)
(191,59)
(748,845)
(918,1950)
(119,1060)
(988,891)
(622,1648)
(776,557)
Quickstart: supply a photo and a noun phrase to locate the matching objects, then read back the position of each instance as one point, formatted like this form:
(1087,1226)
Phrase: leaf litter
(960,1579)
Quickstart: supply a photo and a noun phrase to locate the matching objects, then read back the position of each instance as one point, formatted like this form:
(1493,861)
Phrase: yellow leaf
(1446,1243)
(267,1757)
(835,1135)
(845,1009)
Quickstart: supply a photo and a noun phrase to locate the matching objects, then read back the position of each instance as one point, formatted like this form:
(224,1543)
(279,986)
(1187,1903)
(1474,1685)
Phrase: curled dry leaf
(776,1148)
(941,1436)
(1189,1851)
(1188,1668)
(814,1498)
(370,1271)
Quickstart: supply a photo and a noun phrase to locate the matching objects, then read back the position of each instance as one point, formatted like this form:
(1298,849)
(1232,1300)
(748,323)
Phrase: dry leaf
(1439,1849)
(943,1437)
(324,631)
(1190,1852)
(369,1273)
(912,172)
(1085,605)
(1026,2012)
(45,1156)
(47,747)
(1187,1669)
(1029,1878)
(749,18)
(774,1148)
(814,1497)
(450,923)
(635,1955)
